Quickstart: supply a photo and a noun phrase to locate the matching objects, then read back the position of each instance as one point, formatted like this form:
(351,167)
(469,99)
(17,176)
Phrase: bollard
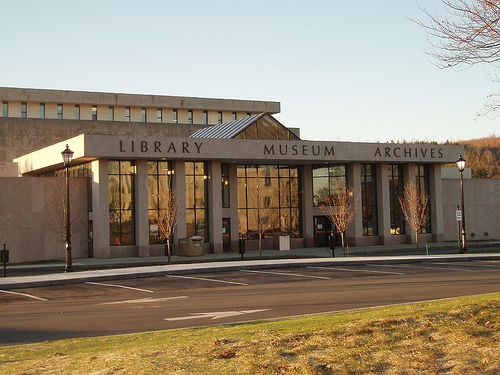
(332,243)
(4,255)
(241,247)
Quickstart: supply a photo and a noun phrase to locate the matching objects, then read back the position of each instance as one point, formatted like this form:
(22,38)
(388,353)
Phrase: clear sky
(342,70)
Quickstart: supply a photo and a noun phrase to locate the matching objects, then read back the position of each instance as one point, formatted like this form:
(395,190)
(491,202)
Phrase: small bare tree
(469,34)
(340,208)
(56,219)
(414,207)
(168,215)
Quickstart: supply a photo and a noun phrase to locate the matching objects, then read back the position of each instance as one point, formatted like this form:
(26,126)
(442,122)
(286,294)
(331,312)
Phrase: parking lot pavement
(106,274)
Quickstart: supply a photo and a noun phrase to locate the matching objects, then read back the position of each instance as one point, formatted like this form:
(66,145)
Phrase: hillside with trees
(483,156)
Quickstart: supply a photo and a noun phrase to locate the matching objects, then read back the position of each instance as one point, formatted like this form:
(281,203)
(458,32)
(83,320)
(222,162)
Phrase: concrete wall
(482,208)
(22,136)
(25,213)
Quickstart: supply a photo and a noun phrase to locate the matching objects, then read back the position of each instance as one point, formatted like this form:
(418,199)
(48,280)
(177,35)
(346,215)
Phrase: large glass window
(159,182)
(196,199)
(396,187)
(121,202)
(5,109)
(94,112)
(190,117)
(175,118)
(159,115)
(424,185)
(42,110)
(127,114)
(111,113)
(205,117)
(369,199)
(219,118)
(60,111)
(144,116)
(77,112)
(327,180)
(269,198)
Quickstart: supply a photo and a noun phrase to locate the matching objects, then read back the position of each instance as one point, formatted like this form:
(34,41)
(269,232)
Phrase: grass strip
(455,336)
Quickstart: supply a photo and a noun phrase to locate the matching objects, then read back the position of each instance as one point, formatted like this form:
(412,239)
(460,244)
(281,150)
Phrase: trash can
(284,241)
(197,245)
(190,247)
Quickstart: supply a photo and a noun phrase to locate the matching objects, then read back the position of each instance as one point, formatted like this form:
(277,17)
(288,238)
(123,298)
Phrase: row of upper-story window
(117,113)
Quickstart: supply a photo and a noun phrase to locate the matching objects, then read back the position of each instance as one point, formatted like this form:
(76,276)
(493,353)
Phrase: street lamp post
(461,167)
(67,155)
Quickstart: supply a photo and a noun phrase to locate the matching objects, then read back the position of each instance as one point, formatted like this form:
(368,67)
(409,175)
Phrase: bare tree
(56,219)
(167,217)
(468,35)
(414,207)
(340,208)
(267,218)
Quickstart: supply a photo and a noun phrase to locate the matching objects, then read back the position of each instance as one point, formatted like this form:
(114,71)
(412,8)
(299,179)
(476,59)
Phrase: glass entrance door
(226,234)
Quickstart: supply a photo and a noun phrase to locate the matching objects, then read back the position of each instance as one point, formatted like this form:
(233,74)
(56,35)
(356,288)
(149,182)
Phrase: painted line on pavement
(205,279)
(446,268)
(120,286)
(288,274)
(24,295)
(143,300)
(414,266)
(356,270)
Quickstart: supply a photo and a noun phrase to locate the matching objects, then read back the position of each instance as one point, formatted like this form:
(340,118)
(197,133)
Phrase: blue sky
(351,71)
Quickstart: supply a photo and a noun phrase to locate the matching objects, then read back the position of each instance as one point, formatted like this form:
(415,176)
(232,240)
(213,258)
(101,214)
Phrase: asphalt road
(168,302)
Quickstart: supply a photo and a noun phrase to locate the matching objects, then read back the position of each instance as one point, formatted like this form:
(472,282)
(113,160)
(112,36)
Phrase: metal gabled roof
(228,129)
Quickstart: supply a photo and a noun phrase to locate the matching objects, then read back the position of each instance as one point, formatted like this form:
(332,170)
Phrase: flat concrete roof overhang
(242,151)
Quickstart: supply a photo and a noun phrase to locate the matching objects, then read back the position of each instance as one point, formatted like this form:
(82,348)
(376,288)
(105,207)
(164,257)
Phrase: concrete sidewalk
(89,269)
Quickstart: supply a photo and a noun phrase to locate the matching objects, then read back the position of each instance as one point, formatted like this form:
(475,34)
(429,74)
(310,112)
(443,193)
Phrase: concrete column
(354,233)
(383,204)
(141,209)
(100,208)
(307,206)
(215,207)
(179,189)
(233,205)
(436,200)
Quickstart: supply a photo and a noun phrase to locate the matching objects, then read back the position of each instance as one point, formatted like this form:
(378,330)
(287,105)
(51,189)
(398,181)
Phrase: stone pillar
(100,208)
(233,205)
(179,189)
(383,204)
(436,201)
(215,206)
(307,206)
(141,209)
(354,233)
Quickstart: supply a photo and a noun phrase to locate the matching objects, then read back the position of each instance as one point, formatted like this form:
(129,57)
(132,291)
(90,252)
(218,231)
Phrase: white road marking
(446,268)
(356,270)
(24,295)
(288,274)
(214,315)
(120,286)
(415,266)
(143,300)
(204,279)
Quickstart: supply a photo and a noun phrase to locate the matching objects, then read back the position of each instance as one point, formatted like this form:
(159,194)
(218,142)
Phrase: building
(231,164)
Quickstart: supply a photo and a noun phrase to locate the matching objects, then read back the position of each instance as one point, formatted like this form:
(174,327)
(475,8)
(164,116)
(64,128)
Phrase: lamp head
(67,155)
(461,163)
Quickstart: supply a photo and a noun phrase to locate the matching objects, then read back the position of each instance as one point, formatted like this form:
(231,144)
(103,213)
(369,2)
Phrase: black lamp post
(461,167)
(67,155)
